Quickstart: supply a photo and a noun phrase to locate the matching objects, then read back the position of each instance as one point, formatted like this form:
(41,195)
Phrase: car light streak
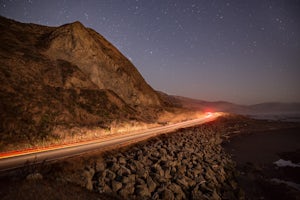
(15,159)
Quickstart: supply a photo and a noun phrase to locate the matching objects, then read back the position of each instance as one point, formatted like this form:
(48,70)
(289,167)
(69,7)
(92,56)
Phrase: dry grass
(65,135)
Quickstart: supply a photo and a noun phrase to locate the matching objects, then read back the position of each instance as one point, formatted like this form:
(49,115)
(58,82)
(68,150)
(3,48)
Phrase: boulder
(176,189)
(131,167)
(157,169)
(173,171)
(183,183)
(142,191)
(138,165)
(101,181)
(104,189)
(163,152)
(168,173)
(123,171)
(147,161)
(181,169)
(151,184)
(34,176)
(167,194)
(125,179)
(197,194)
(221,175)
(209,174)
(215,195)
(110,160)
(127,190)
(155,154)
(122,160)
(140,181)
(155,196)
(100,165)
(109,174)
(116,186)
(115,167)
(179,156)
(88,176)
(233,184)
(143,173)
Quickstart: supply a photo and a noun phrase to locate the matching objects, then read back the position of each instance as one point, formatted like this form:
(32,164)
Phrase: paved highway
(20,158)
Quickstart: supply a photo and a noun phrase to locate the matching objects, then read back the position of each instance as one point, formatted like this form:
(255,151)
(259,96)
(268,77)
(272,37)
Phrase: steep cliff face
(66,76)
(105,66)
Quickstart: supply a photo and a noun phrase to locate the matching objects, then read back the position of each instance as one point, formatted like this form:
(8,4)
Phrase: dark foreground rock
(189,164)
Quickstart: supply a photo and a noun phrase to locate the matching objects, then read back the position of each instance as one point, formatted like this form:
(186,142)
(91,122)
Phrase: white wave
(288,183)
(285,163)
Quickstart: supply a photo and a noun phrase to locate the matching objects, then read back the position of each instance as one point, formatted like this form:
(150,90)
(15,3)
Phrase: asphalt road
(20,159)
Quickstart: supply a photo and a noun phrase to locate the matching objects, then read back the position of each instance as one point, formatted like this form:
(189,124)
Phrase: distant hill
(223,106)
(217,106)
(275,107)
(66,76)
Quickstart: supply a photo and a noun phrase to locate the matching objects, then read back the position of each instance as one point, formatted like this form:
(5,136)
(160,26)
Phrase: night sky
(240,51)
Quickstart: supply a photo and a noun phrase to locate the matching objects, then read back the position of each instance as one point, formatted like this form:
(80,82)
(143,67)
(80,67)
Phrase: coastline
(255,155)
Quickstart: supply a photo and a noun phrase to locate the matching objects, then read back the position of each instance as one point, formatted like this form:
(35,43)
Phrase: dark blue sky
(240,51)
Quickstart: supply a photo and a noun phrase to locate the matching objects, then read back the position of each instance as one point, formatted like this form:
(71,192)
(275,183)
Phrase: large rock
(183,183)
(181,169)
(88,175)
(129,179)
(142,191)
(143,173)
(156,168)
(115,167)
(197,195)
(104,189)
(167,173)
(176,189)
(122,160)
(123,171)
(127,190)
(167,194)
(215,195)
(211,176)
(100,165)
(151,184)
(116,185)
(34,176)
(109,174)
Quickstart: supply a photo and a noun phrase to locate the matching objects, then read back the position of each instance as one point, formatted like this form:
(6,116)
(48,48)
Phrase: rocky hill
(65,76)
(103,64)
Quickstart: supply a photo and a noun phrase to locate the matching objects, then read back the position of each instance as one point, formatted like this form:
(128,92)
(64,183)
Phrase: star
(86,16)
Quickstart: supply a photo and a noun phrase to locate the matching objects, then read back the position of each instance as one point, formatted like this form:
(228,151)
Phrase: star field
(240,51)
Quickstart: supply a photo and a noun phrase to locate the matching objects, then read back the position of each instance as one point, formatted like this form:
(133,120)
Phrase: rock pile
(189,164)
